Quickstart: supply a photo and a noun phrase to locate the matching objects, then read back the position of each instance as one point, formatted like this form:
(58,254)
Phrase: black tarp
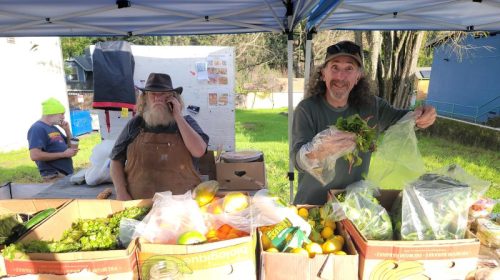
(113,76)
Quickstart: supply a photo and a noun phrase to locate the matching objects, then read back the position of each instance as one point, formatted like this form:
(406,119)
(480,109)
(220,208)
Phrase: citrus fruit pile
(322,239)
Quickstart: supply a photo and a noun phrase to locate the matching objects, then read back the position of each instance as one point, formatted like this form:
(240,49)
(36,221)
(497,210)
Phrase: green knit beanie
(52,106)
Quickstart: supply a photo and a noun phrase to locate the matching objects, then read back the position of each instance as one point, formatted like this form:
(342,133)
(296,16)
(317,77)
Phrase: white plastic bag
(98,172)
(171,216)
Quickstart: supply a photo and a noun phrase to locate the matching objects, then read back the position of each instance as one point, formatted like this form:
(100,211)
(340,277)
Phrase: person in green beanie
(50,148)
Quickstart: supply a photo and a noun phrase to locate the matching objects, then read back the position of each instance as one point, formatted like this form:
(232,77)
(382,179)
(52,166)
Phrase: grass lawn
(266,130)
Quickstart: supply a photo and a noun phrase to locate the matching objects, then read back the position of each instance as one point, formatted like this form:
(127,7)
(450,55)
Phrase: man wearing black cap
(156,150)
(339,89)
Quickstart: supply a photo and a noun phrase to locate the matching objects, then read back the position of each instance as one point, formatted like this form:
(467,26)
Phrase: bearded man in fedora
(158,148)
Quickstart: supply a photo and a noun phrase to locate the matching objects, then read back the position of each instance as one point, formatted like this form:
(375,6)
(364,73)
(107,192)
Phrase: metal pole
(307,70)
(290,112)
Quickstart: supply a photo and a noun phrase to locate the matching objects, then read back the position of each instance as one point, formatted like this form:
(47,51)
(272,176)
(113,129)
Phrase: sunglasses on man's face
(344,47)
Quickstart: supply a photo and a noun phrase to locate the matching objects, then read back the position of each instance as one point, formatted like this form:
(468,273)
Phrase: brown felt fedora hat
(160,82)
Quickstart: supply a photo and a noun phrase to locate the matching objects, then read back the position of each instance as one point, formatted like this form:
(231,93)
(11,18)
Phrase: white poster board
(207,75)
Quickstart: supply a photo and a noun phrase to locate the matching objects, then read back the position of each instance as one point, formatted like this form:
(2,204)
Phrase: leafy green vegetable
(365,137)
(365,211)
(8,222)
(84,235)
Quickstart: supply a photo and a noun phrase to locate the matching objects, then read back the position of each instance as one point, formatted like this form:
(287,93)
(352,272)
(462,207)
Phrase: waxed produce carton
(428,259)
(115,264)
(291,266)
(232,259)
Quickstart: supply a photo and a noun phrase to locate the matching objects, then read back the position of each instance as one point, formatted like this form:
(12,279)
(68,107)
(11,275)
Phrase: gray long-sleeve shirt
(313,115)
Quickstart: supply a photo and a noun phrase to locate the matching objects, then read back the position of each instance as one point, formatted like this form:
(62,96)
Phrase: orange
(313,249)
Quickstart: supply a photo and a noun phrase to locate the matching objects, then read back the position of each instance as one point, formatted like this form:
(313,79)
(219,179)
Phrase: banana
(403,270)
(381,268)
(166,261)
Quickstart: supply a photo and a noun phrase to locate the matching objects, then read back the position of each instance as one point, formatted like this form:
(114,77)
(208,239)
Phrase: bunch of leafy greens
(84,235)
(365,211)
(365,137)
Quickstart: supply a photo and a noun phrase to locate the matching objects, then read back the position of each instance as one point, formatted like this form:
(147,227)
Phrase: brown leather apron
(158,162)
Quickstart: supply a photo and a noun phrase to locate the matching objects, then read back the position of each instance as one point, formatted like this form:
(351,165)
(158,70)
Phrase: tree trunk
(374,39)
(393,61)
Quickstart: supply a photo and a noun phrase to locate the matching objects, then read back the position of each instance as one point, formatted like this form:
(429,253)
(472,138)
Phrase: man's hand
(340,141)
(70,152)
(425,116)
(123,196)
(65,125)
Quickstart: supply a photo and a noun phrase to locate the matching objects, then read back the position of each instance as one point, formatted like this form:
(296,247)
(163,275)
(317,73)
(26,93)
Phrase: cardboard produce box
(227,259)
(430,259)
(26,206)
(241,175)
(290,266)
(117,264)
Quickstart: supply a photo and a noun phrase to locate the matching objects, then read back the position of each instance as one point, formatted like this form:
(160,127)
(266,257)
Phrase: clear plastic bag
(435,207)
(397,160)
(330,144)
(363,209)
(127,230)
(170,216)
(266,211)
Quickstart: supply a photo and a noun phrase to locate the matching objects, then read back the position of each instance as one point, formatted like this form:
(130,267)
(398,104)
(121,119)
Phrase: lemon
(234,202)
(304,213)
(327,232)
(340,253)
(272,250)
(331,246)
(313,249)
(328,222)
(299,251)
(340,238)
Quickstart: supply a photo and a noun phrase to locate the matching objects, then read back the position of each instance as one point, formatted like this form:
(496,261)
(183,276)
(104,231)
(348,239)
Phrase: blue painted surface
(467,88)
(81,122)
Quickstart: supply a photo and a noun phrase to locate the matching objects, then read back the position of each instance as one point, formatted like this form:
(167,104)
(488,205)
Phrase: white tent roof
(465,15)
(148,17)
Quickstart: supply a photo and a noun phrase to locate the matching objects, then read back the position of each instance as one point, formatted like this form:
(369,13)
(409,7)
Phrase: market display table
(63,188)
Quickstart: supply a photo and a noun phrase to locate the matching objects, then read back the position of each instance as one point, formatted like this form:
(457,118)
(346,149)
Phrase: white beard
(157,116)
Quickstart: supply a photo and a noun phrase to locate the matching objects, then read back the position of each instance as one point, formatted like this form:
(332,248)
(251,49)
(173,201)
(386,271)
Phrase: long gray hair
(360,94)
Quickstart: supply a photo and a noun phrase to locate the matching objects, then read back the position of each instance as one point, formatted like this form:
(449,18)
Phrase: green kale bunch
(365,137)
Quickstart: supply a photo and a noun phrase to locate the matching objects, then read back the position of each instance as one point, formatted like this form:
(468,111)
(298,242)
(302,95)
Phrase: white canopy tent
(33,18)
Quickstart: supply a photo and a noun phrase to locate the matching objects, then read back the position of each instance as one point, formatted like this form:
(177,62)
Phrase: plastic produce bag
(435,207)
(98,172)
(397,160)
(171,216)
(266,211)
(361,207)
(323,170)
(127,229)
